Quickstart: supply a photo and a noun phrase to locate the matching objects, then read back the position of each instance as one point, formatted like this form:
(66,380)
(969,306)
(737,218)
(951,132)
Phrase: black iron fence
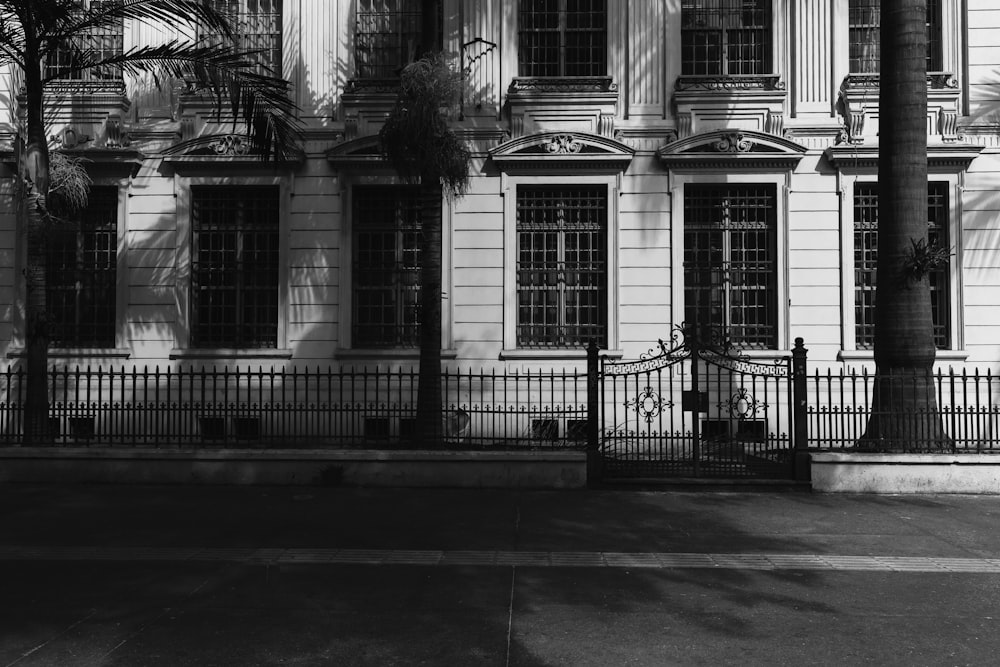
(221,407)
(298,407)
(841,405)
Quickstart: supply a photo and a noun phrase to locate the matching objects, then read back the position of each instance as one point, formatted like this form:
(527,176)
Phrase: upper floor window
(256,25)
(234,266)
(385,266)
(725,37)
(730,261)
(93,43)
(81,274)
(864,21)
(386,37)
(562,266)
(866,260)
(562,38)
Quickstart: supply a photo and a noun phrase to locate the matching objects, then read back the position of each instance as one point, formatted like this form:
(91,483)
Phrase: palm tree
(422,147)
(904,408)
(32,31)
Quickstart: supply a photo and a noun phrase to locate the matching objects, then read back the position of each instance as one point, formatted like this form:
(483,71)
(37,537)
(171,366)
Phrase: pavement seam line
(505,558)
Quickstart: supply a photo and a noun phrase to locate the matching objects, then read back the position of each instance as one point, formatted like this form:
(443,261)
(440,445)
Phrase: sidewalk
(136,575)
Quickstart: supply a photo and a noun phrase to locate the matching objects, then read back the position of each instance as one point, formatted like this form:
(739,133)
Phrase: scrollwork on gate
(648,404)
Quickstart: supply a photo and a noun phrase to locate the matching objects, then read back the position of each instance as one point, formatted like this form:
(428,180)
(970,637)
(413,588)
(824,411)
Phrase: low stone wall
(466,469)
(837,472)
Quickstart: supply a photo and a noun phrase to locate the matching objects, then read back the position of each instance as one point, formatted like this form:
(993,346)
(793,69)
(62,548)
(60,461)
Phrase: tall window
(386,37)
(863,28)
(866,259)
(562,266)
(386,266)
(81,278)
(234,267)
(730,276)
(725,37)
(92,44)
(562,38)
(256,25)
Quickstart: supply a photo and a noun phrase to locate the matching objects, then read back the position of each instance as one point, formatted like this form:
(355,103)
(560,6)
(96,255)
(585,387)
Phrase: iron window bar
(725,37)
(386,262)
(560,38)
(866,259)
(102,42)
(730,268)
(81,266)
(256,26)
(864,49)
(234,266)
(561,266)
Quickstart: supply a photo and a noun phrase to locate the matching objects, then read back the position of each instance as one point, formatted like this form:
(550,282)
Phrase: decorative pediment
(233,149)
(356,153)
(945,156)
(732,149)
(550,150)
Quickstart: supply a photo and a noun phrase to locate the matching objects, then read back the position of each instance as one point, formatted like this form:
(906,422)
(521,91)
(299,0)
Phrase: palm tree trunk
(904,412)
(34,219)
(429,401)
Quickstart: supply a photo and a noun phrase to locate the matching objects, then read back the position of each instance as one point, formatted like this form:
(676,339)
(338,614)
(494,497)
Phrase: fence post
(799,412)
(593,416)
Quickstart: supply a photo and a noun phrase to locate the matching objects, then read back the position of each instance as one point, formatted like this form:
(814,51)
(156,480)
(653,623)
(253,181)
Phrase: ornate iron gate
(697,407)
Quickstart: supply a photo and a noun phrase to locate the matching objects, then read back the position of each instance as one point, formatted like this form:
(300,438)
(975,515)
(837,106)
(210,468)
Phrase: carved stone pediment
(212,149)
(732,149)
(549,150)
(356,153)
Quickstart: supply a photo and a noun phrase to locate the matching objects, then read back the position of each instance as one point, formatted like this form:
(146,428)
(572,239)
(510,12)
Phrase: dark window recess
(257,27)
(234,267)
(562,38)
(864,41)
(82,274)
(386,267)
(725,37)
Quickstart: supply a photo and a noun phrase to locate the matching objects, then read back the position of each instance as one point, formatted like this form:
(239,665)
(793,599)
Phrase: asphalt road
(161,575)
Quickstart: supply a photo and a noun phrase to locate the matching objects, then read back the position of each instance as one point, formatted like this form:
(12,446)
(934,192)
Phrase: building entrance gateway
(695,406)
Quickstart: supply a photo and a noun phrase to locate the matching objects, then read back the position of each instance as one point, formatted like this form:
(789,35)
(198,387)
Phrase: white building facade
(637,164)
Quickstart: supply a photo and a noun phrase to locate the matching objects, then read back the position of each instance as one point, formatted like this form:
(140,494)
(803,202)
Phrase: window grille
(725,37)
(81,274)
(386,37)
(256,26)
(866,260)
(386,266)
(95,43)
(863,34)
(562,38)
(234,267)
(730,272)
(562,266)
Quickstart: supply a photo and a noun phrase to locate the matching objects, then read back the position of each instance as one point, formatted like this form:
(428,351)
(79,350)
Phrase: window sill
(549,354)
(869,355)
(231,353)
(77,353)
(387,353)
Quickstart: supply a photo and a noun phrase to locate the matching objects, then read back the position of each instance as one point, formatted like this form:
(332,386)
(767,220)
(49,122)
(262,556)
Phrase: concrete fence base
(466,469)
(905,473)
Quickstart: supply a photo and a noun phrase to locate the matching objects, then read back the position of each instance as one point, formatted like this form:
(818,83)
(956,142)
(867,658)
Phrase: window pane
(725,37)
(730,273)
(561,266)
(256,25)
(387,35)
(386,266)
(863,27)
(91,45)
(866,255)
(234,266)
(562,38)
(81,280)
